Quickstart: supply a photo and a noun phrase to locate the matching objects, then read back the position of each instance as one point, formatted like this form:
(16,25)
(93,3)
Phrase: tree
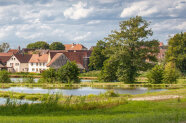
(171,74)
(177,51)
(57,46)
(4,77)
(130,47)
(4,47)
(155,75)
(38,45)
(98,57)
(49,76)
(69,73)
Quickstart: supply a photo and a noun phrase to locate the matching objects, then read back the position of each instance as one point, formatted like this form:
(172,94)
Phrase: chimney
(19,48)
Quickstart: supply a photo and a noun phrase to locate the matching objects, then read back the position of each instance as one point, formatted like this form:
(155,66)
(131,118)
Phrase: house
(18,63)
(4,57)
(38,63)
(161,54)
(75,47)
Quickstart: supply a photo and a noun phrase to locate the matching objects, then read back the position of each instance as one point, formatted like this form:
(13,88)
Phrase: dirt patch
(150,98)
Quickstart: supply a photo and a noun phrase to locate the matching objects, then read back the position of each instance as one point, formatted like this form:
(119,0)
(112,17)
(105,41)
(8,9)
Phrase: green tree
(57,46)
(69,73)
(4,47)
(38,45)
(132,49)
(4,77)
(98,57)
(177,51)
(155,75)
(48,76)
(171,74)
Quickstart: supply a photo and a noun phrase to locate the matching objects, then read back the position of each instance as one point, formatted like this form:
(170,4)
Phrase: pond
(36,80)
(17,101)
(79,91)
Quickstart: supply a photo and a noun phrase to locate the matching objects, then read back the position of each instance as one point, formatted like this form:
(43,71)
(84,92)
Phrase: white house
(18,63)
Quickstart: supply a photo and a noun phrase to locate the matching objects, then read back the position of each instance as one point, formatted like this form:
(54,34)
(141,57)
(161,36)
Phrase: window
(12,58)
(32,64)
(39,64)
(43,64)
(33,69)
(36,64)
(16,64)
(36,69)
(11,64)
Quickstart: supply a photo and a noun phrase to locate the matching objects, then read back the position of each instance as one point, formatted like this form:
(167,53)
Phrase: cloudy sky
(85,21)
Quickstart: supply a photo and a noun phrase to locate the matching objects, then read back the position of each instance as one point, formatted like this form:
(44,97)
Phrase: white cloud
(149,7)
(94,22)
(78,11)
(82,37)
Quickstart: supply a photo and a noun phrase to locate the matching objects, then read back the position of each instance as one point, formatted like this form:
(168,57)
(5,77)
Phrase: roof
(23,58)
(37,58)
(55,58)
(14,51)
(74,47)
(4,59)
(6,54)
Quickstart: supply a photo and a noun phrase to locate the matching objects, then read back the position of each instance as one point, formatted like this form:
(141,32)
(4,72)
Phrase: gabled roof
(14,51)
(37,58)
(4,59)
(74,47)
(55,58)
(6,54)
(23,58)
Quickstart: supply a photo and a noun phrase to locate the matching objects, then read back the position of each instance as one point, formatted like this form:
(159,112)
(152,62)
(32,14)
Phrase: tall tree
(38,45)
(177,51)
(98,57)
(131,48)
(57,46)
(4,47)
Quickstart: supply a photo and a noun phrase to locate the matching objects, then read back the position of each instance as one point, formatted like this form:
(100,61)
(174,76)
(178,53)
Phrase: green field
(157,111)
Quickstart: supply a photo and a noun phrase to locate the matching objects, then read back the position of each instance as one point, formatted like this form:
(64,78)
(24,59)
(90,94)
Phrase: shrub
(48,76)
(69,73)
(155,75)
(4,78)
(171,74)
(28,79)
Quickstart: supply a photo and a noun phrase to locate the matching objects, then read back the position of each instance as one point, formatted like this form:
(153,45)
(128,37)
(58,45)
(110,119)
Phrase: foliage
(28,79)
(4,78)
(155,75)
(171,74)
(130,49)
(69,73)
(177,51)
(57,46)
(4,47)
(97,56)
(48,76)
(38,45)
(93,73)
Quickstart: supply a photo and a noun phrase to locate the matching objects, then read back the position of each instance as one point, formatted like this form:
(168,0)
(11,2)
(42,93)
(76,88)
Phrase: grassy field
(158,111)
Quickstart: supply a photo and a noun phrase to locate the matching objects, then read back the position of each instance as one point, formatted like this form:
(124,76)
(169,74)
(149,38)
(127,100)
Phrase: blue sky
(85,21)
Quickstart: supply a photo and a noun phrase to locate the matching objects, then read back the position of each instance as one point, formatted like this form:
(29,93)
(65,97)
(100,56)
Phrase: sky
(86,21)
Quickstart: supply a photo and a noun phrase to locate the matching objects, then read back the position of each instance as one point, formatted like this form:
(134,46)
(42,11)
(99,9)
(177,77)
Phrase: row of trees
(125,53)
(45,45)
(66,74)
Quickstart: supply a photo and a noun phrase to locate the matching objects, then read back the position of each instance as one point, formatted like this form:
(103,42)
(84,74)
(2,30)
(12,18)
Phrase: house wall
(14,63)
(37,67)
(62,60)
(24,67)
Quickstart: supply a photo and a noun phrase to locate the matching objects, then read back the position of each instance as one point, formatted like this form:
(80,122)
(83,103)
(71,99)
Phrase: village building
(18,63)
(75,47)
(38,63)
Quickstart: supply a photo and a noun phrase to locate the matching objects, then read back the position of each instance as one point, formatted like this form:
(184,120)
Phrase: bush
(69,73)
(4,78)
(171,74)
(155,75)
(49,76)
(28,79)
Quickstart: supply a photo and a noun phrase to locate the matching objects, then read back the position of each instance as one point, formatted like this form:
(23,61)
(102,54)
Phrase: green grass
(93,73)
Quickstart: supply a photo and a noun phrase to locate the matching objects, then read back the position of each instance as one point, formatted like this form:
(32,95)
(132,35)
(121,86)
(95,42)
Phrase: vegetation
(93,73)
(48,76)
(155,75)
(171,74)
(4,78)
(97,56)
(176,52)
(4,47)
(69,73)
(38,45)
(57,46)
(128,49)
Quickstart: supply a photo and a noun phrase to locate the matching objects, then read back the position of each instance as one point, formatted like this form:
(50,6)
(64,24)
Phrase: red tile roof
(6,54)
(4,57)
(14,51)
(23,58)
(36,58)
(74,47)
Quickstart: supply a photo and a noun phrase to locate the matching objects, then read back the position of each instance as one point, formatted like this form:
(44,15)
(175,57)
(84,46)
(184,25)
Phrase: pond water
(36,80)
(80,91)
(17,101)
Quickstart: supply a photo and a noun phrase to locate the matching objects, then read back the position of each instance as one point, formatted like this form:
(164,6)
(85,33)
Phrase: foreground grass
(164,111)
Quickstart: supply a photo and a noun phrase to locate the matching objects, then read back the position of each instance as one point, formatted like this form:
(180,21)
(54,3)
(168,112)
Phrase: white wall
(37,67)
(14,63)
